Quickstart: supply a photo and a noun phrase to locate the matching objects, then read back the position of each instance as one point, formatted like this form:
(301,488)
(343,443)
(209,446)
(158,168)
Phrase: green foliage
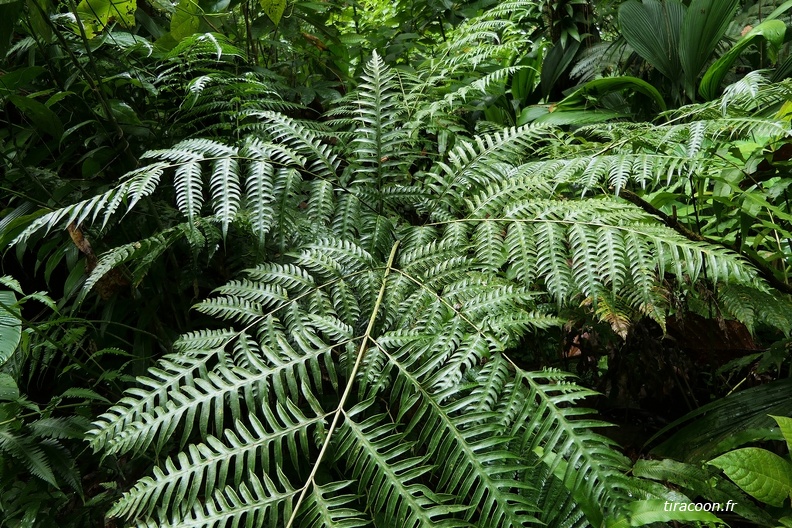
(600,87)
(373,290)
(758,473)
(647,512)
(185,20)
(10,328)
(704,25)
(38,472)
(274,9)
(785,425)
(95,15)
(770,30)
(298,314)
(727,423)
(652,29)
(763,475)
(680,41)
(704,482)
(368,340)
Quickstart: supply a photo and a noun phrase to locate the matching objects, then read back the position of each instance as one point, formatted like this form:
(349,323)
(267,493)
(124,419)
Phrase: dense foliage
(329,264)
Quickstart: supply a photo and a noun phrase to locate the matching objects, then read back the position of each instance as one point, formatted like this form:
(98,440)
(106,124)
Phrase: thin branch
(348,389)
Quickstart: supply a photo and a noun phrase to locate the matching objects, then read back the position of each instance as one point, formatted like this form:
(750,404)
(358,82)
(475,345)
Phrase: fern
(326,509)
(378,143)
(463,441)
(361,369)
(138,184)
(145,252)
(387,273)
(31,455)
(355,437)
(176,489)
(453,437)
(36,447)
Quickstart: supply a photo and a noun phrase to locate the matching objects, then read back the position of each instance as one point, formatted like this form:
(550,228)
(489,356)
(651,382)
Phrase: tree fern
(413,362)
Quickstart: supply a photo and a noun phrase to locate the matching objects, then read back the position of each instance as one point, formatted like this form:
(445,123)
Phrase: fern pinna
(363,372)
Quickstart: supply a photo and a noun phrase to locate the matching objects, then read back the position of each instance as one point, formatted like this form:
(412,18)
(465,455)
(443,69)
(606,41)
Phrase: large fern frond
(362,374)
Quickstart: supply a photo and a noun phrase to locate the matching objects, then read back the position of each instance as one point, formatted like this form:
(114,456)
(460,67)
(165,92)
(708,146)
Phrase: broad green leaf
(529,114)
(756,199)
(643,512)
(9,12)
(705,431)
(185,21)
(10,328)
(578,117)
(38,11)
(785,112)
(555,64)
(8,388)
(523,81)
(705,23)
(97,14)
(703,482)
(652,29)
(274,9)
(606,85)
(123,113)
(44,119)
(763,475)
(771,30)
(785,424)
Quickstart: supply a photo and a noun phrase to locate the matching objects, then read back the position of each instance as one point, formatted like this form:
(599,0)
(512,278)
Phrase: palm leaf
(705,23)
(652,28)
(10,325)
(772,31)
(718,426)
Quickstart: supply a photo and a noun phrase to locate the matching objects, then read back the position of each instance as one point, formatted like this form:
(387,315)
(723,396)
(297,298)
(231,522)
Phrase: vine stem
(764,270)
(348,389)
